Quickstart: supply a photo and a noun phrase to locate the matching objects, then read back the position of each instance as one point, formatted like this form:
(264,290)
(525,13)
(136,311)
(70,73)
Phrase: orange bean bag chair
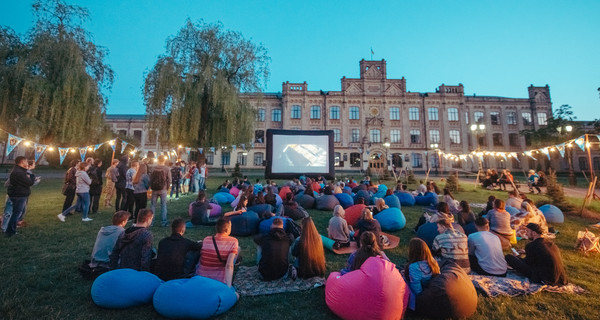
(353,214)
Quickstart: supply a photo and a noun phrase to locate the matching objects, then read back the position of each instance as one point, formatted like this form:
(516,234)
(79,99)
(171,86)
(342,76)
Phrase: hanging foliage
(193,93)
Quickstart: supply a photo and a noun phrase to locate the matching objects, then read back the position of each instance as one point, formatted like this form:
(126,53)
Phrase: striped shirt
(210,266)
(453,245)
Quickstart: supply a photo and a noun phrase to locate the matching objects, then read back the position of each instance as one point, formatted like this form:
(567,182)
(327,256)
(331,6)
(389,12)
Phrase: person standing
(18,192)
(196,178)
(176,182)
(120,184)
(111,178)
(141,184)
(83,194)
(95,174)
(159,183)
(70,184)
(129,186)
(202,180)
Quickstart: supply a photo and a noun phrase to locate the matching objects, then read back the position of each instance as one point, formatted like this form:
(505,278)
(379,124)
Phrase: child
(420,268)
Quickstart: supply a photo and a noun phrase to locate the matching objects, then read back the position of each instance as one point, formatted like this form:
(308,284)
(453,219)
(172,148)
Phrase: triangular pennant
(12,143)
(200,150)
(598,136)
(188,150)
(546,152)
(561,149)
(82,152)
(243,146)
(503,155)
(39,150)
(97,146)
(514,155)
(123,146)
(113,144)
(62,152)
(212,149)
(580,142)
(528,153)
(233,147)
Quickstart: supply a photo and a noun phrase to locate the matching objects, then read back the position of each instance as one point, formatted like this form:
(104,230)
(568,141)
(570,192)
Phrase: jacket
(122,173)
(105,243)
(83,182)
(133,250)
(20,182)
(170,259)
(275,246)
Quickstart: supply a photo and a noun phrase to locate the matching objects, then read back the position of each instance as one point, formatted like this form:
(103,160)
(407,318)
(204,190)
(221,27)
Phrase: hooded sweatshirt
(105,243)
(83,182)
(275,246)
(133,250)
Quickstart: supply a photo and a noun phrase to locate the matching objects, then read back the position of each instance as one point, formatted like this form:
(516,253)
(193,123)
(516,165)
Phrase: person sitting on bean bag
(218,254)
(106,240)
(499,220)
(309,252)
(453,204)
(241,208)
(200,210)
(529,214)
(292,209)
(309,191)
(368,223)
(451,244)
(485,251)
(419,269)
(379,206)
(338,228)
(133,250)
(542,263)
(272,251)
(442,212)
(369,247)
(172,252)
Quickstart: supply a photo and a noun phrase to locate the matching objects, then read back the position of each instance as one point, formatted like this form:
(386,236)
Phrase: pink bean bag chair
(234,191)
(376,291)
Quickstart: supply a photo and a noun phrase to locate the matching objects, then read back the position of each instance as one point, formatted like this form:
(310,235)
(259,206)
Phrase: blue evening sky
(491,47)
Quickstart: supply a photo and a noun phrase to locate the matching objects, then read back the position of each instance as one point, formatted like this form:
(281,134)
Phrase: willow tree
(193,93)
(57,78)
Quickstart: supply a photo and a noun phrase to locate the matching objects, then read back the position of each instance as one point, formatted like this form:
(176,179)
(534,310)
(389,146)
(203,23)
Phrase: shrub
(452,182)
(555,192)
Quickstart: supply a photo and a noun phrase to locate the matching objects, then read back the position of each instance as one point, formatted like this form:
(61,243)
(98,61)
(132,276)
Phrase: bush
(410,179)
(555,192)
(237,173)
(452,182)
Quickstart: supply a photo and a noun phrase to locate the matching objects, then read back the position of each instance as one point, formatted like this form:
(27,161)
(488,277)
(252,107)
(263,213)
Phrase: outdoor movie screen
(291,153)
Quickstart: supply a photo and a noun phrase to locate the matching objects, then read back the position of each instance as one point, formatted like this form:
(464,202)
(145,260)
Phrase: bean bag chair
(194,298)
(316,187)
(512,210)
(124,288)
(381,191)
(234,191)
(365,195)
(223,189)
(265,225)
(391,219)
(244,224)
(307,202)
(428,231)
(392,201)
(377,282)
(295,212)
(261,208)
(345,199)
(347,190)
(429,199)
(353,214)
(214,211)
(406,198)
(552,213)
(223,198)
(451,294)
(326,202)
(327,242)
(284,190)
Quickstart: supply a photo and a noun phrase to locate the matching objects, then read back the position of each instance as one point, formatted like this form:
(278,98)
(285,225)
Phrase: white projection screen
(291,153)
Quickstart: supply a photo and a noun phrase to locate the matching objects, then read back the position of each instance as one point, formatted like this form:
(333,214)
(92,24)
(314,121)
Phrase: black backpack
(157,180)
(93,173)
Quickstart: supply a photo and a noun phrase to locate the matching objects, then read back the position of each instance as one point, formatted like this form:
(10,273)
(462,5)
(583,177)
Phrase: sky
(494,48)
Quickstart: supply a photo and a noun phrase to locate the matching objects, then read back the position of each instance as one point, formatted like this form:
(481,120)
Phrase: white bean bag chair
(552,213)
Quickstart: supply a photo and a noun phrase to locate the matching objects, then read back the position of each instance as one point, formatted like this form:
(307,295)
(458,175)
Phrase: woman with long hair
(453,204)
(465,215)
(309,190)
(379,206)
(309,252)
(369,247)
(420,268)
(368,223)
(141,183)
(82,190)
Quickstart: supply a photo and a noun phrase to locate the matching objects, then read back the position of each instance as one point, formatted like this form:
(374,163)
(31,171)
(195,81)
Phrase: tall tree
(193,92)
(550,133)
(56,80)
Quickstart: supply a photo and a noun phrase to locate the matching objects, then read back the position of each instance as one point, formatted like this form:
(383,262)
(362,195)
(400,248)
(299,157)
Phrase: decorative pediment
(393,90)
(374,122)
(541,97)
(373,72)
(354,89)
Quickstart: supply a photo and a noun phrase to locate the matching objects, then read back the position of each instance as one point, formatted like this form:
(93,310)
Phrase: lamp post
(478,129)
(386,144)
(569,149)
(435,147)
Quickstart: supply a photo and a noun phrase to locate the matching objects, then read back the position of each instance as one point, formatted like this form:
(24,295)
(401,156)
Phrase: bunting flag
(188,150)
(12,143)
(528,153)
(480,156)
(561,149)
(212,149)
(598,136)
(360,150)
(546,152)
(504,156)
(123,146)
(39,150)
(233,147)
(471,156)
(514,155)
(200,150)
(82,152)
(113,145)
(252,144)
(97,146)
(243,146)
(62,152)
(580,142)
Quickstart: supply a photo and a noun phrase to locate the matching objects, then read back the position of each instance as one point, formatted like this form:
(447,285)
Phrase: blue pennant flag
(62,152)
(123,146)
(82,152)
(97,146)
(39,150)
(113,145)
(212,149)
(243,146)
(561,149)
(233,147)
(200,150)
(187,150)
(12,143)
(529,154)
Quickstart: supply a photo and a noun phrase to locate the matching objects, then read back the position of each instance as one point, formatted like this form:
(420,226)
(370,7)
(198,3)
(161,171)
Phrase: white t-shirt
(487,248)
(202,172)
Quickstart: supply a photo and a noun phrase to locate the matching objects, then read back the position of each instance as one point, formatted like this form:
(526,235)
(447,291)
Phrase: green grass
(39,279)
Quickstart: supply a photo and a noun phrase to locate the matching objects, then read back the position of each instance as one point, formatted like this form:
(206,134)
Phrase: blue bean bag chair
(552,213)
(223,189)
(244,224)
(223,198)
(294,212)
(428,232)
(326,202)
(391,219)
(194,298)
(265,225)
(365,195)
(124,288)
(406,198)
(261,208)
(381,191)
(307,202)
(512,210)
(392,201)
(347,190)
(429,199)
(345,200)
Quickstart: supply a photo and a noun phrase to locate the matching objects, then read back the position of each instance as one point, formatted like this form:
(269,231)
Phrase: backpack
(90,273)
(157,180)
(70,178)
(176,174)
(93,173)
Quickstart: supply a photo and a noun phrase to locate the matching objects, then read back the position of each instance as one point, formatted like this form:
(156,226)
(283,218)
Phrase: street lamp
(386,144)
(436,147)
(569,150)
(478,129)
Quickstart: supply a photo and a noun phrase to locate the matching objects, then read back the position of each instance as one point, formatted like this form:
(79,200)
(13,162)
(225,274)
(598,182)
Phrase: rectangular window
(210,158)
(225,158)
(583,163)
(526,118)
(242,158)
(433,114)
(296,112)
(315,112)
(417,160)
(515,163)
(336,135)
(137,134)
(260,115)
(334,113)
(276,115)
(259,136)
(452,114)
(454,136)
(415,136)
(258,159)
(513,139)
(395,135)
(355,135)
(337,157)
(434,136)
(354,113)
(542,118)
(478,117)
(497,138)
(467,117)
(511,118)
(495,118)
(413,113)
(394,113)
(355,159)
(375,135)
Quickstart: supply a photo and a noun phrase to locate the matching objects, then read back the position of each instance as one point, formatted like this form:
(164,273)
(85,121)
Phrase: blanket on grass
(515,285)
(247,282)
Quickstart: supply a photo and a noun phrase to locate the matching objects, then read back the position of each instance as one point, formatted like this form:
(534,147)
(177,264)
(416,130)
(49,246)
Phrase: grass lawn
(39,278)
